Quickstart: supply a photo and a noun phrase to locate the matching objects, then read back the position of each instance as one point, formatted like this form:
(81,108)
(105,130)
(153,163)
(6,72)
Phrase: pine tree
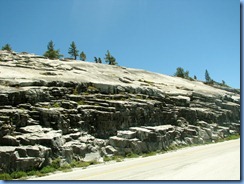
(223,83)
(99,60)
(82,56)
(110,59)
(73,51)
(7,47)
(95,59)
(207,77)
(180,72)
(51,53)
(186,75)
(183,74)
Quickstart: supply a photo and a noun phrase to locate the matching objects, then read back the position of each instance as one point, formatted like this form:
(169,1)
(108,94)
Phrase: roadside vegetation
(53,167)
(57,166)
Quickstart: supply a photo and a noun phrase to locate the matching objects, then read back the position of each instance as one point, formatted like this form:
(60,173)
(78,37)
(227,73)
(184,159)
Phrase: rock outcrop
(84,111)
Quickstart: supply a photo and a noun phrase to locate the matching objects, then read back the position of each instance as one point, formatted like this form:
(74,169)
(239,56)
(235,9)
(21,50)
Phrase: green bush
(47,169)
(65,168)
(46,106)
(81,102)
(106,159)
(5,176)
(149,154)
(75,163)
(118,158)
(231,137)
(18,174)
(32,173)
(132,155)
(56,105)
(56,163)
(39,174)
(75,92)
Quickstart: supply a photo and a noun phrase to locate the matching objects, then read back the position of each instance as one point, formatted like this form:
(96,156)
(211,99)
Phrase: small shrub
(85,93)
(5,176)
(172,147)
(118,158)
(149,154)
(106,159)
(39,174)
(75,92)
(18,174)
(231,137)
(132,155)
(81,102)
(65,168)
(56,163)
(79,164)
(92,88)
(47,169)
(139,97)
(46,106)
(32,173)
(56,105)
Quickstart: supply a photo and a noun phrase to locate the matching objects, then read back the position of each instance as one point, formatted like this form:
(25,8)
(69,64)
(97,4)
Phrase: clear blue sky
(155,35)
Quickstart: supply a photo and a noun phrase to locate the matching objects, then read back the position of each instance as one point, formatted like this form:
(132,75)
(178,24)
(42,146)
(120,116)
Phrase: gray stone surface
(82,110)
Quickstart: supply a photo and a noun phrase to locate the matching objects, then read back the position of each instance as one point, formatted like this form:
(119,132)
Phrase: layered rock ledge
(85,111)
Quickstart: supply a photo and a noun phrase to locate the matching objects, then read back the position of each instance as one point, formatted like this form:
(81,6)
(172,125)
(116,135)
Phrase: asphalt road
(220,161)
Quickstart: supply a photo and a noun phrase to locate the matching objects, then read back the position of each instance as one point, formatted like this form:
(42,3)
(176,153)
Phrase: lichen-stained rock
(80,110)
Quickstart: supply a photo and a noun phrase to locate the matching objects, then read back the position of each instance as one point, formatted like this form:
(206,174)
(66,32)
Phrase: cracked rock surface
(84,111)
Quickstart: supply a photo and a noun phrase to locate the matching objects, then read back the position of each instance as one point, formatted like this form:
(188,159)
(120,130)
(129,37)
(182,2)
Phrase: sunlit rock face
(85,111)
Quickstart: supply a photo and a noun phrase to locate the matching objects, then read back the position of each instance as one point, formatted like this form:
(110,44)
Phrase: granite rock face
(84,111)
